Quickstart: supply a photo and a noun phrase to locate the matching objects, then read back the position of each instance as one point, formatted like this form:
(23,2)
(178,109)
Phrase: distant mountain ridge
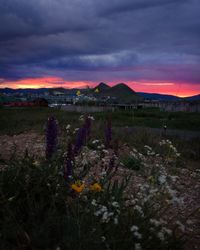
(120,91)
(163,97)
(155,96)
(193,98)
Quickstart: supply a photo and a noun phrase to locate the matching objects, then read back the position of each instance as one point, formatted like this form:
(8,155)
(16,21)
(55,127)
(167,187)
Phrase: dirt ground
(18,144)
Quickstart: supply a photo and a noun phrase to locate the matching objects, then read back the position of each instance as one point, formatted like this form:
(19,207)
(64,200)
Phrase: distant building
(181,106)
(173,106)
(61,99)
(40,102)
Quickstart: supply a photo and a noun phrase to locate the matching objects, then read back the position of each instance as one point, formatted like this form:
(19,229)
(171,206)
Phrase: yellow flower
(96,187)
(78,186)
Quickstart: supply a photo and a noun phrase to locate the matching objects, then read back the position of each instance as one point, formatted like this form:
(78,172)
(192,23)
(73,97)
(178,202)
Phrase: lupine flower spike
(87,125)
(82,135)
(80,140)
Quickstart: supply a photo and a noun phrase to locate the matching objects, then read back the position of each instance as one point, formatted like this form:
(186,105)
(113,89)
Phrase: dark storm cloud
(81,39)
(129,5)
(23,18)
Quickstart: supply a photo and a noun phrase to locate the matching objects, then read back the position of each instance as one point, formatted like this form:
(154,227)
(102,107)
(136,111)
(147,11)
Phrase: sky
(151,45)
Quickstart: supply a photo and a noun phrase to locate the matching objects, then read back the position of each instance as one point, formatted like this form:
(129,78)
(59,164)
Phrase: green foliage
(17,120)
(38,213)
(131,163)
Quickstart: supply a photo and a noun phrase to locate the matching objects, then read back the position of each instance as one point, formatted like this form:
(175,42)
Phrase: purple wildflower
(68,164)
(80,140)
(108,133)
(87,125)
(82,135)
(51,137)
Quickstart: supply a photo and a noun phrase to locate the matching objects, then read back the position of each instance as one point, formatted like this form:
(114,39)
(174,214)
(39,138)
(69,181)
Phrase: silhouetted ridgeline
(119,96)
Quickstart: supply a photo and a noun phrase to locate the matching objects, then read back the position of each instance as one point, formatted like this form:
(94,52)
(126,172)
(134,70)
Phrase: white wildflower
(137,235)
(94,202)
(115,204)
(81,118)
(68,126)
(148,147)
(155,222)
(103,238)
(11,198)
(91,117)
(162,179)
(134,228)
(103,173)
(161,236)
(138,246)
(167,231)
(75,130)
(95,141)
(116,220)
(139,210)
(105,217)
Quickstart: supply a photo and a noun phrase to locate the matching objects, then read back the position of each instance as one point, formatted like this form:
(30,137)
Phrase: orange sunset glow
(177,89)
(171,88)
(44,82)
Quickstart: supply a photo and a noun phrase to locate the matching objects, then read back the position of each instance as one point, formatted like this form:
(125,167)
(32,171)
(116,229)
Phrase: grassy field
(130,193)
(17,120)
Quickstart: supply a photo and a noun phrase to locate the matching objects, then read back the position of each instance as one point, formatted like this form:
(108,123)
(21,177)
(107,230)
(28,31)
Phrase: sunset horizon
(158,87)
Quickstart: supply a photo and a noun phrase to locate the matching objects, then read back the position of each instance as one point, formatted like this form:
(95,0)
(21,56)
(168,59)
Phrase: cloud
(118,6)
(93,40)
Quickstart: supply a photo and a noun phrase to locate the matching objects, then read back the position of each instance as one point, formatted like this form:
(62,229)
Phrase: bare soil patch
(31,141)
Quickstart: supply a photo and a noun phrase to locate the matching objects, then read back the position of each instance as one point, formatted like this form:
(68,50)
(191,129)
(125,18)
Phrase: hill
(102,87)
(193,98)
(160,97)
(120,93)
